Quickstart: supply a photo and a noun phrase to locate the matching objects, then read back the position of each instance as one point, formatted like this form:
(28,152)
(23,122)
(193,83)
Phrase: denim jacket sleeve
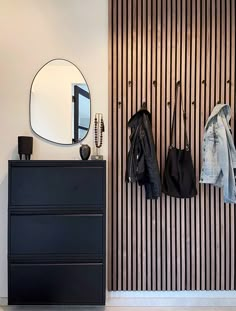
(228,162)
(211,170)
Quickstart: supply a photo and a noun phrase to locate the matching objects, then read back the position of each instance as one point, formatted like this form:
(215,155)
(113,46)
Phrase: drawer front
(56,284)
(57,234)
(57,186)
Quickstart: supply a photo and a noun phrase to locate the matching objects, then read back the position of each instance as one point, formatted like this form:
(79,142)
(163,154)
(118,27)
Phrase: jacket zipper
(132,153)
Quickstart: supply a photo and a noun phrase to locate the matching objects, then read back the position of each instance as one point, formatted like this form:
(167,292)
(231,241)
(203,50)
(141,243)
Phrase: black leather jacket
(142,163)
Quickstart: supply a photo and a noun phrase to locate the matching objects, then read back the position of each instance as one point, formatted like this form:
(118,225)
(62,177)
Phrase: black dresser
(56,232)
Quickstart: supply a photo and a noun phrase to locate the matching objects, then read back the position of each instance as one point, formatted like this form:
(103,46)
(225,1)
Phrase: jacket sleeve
(225,150)
(151,165)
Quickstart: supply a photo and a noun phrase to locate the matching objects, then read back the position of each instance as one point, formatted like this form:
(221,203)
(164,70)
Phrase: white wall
(32,33)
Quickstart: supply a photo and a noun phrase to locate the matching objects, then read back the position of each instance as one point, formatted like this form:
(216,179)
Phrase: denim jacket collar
(218,109)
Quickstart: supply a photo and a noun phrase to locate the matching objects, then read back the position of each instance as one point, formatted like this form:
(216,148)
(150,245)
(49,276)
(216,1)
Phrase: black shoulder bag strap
(173,126)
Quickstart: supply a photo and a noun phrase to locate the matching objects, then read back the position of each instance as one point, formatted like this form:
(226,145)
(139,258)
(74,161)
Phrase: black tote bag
(179,178)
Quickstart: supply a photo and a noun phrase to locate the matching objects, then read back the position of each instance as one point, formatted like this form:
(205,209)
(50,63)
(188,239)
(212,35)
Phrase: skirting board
(3,301)
(172,299)
(166,299)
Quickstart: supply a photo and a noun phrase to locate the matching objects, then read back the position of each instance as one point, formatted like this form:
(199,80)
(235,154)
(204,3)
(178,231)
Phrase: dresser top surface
(75,163)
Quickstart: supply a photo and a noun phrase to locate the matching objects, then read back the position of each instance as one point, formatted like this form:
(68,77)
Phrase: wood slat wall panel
(169,244)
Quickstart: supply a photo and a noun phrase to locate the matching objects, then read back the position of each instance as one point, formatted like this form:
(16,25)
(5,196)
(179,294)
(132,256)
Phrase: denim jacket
(218,153)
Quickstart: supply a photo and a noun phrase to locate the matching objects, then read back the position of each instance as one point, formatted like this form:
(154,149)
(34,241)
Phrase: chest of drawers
(56,232)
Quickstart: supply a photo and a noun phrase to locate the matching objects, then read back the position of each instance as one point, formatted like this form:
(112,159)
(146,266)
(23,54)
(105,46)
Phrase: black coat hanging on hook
(142,163)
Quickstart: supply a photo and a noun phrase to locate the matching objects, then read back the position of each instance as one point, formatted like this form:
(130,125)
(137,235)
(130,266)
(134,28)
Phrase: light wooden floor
(75,308)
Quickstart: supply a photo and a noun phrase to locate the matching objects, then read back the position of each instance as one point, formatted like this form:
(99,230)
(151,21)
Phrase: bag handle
(186,142)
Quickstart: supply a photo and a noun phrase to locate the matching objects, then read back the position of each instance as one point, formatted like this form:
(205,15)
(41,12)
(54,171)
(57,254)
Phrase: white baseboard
(3,301)
(166,299)
(172,299)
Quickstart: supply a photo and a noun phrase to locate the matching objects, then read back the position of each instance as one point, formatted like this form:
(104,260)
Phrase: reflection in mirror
(60,103)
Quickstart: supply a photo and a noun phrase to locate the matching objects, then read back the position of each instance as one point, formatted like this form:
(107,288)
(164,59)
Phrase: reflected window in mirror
(81,115)
(60,103)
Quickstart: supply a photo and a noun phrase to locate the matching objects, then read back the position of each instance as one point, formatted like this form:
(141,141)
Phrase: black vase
(25,146)
(84,151)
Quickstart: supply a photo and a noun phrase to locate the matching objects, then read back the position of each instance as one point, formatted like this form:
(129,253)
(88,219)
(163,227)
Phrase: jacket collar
(219,108)
(135,118)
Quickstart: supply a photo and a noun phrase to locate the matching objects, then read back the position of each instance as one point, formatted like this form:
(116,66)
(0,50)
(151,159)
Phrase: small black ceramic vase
(25,146)
(84,151)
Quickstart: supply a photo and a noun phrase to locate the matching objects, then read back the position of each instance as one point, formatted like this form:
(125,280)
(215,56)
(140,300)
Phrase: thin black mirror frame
(51,141)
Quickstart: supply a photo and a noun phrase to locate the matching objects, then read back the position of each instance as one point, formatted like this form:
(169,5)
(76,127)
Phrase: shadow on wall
(3,228)
(13,155)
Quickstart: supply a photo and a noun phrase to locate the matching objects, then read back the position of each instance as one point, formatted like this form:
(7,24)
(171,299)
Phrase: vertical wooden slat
(178,142)
(217,91)
(115,101)
(230,16)
(138,106)
(188,106)
(197,137)
(110,141)
(124,137)
(193,140)
(163,139)
(168,115)
(154,122)
(172,16)
(159,141)
(119,143)
(180,130)
(173,99)
(233,107)
(134,108)
(169,244)
(148,285)
(223,99)
(227,100)
(143,100)
(129,192)
(207,103)
(183,89)
(202,87)
(212,103)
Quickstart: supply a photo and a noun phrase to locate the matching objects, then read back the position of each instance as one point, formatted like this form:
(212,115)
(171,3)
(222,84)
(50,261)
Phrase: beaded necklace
(99,128)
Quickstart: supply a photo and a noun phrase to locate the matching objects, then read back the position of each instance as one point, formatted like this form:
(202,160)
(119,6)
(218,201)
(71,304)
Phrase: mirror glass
(60,103)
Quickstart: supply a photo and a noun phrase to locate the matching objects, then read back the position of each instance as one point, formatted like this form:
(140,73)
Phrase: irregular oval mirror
(60,103)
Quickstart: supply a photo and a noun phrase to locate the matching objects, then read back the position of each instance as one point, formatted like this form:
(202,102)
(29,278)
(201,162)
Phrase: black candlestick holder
(25,147)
